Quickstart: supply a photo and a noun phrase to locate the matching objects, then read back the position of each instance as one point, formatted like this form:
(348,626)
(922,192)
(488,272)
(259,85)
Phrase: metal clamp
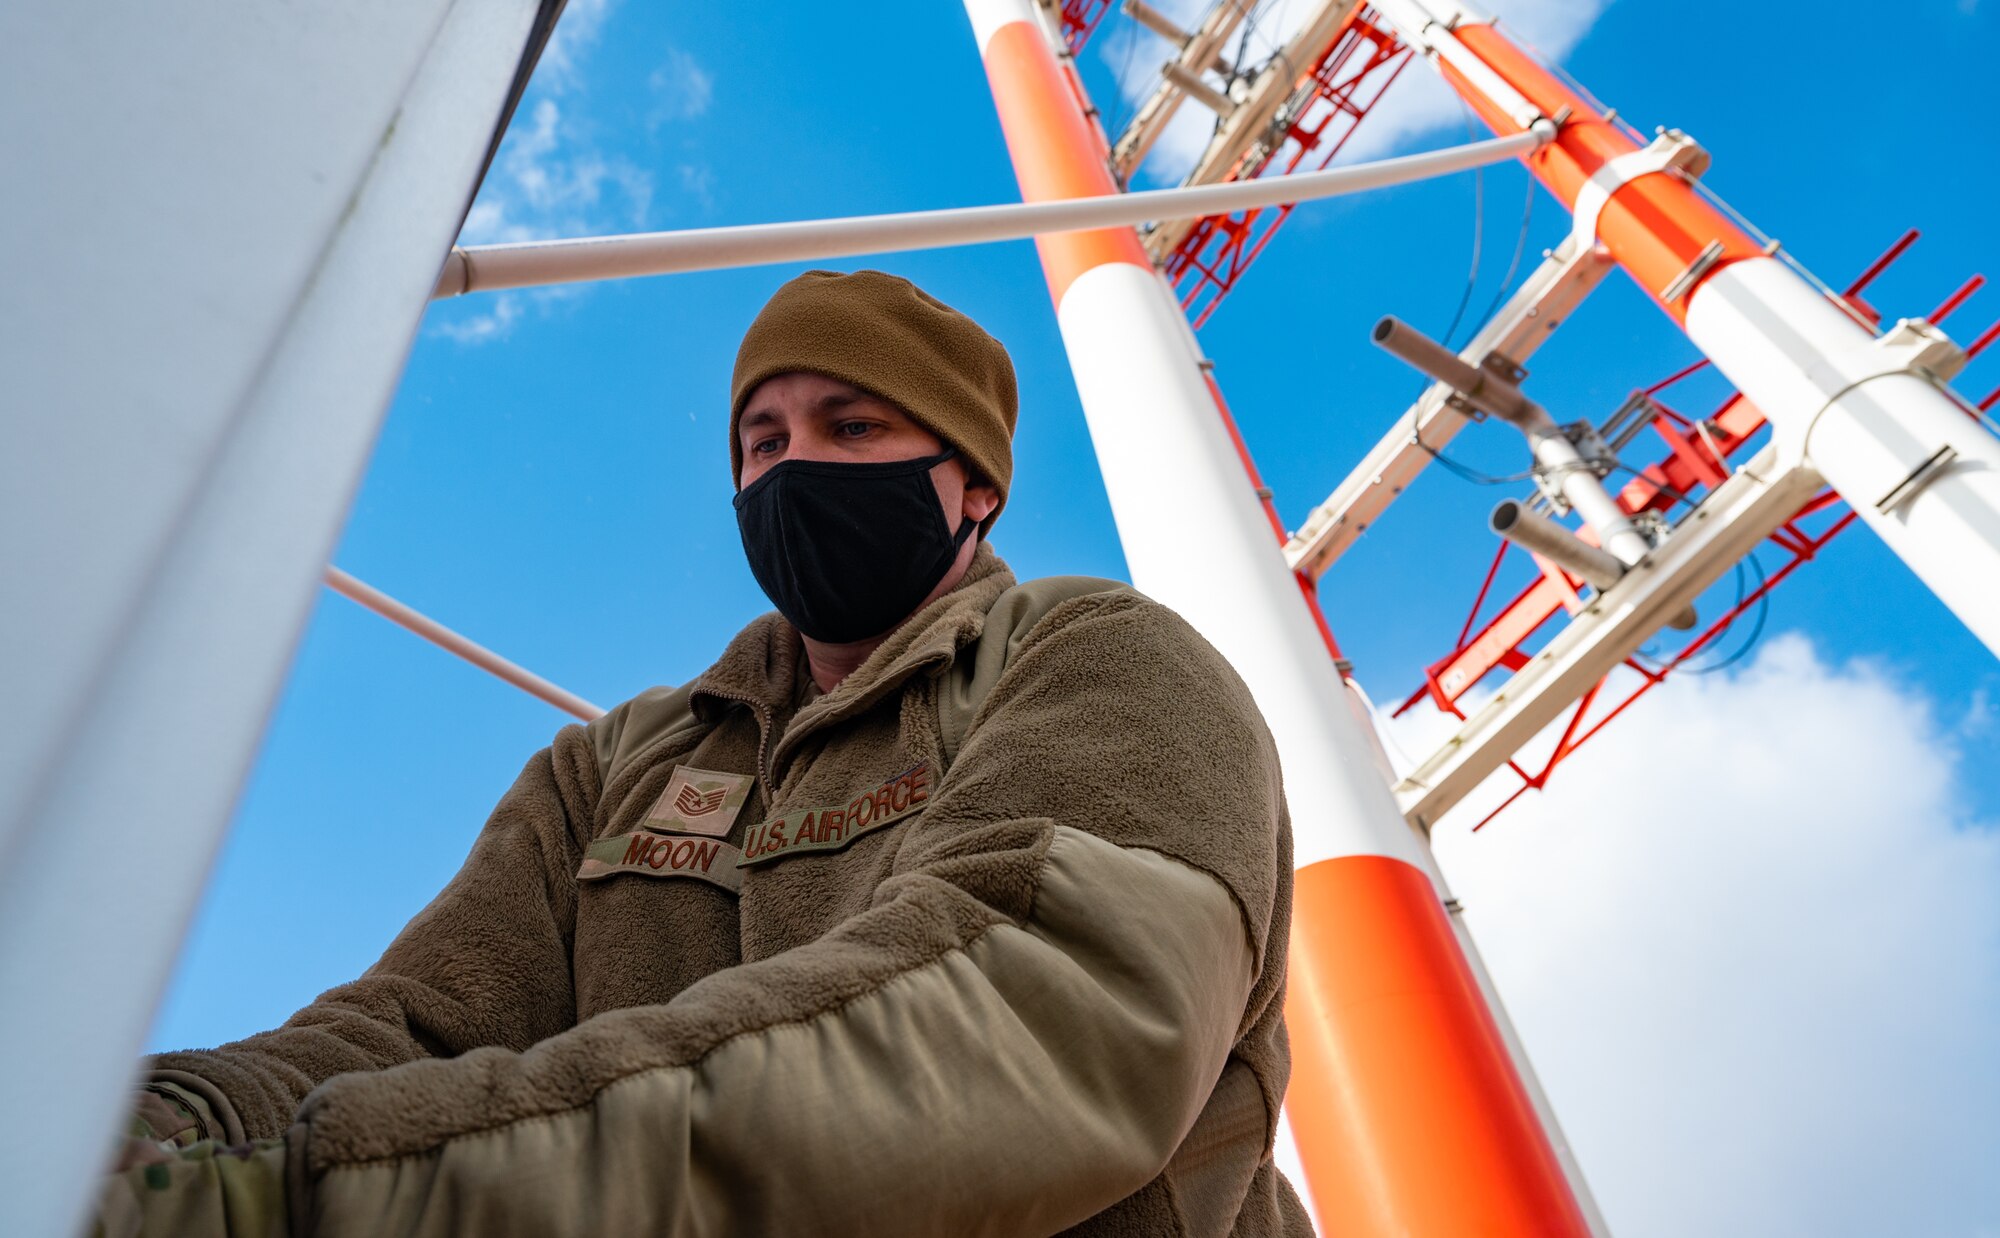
(1923,475)
(1915,344)
(1684,283)
(1912,347)
(1672,150)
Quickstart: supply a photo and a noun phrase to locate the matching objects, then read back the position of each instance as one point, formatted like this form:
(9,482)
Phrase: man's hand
(161,1125)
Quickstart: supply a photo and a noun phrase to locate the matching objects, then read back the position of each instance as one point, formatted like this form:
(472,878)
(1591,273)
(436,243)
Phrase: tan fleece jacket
(1022,980)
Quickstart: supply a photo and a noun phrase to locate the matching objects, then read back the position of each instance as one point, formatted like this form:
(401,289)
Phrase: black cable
(1756,627)
(1513,264)
(1658,667)
(1470,474)
(1243,40)
(1125,109)
(1458,316)
(1662,487)
(1478,236)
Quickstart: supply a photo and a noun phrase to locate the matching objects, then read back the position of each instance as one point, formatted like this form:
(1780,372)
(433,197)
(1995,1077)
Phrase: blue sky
(552,480)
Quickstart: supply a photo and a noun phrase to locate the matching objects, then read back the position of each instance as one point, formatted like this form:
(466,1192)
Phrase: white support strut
(408,617)
(533,263)
(1544,301)
(1261,116)
(1199,51)
(1742,511)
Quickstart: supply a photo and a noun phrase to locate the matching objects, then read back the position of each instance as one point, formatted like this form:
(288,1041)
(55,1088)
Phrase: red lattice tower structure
(1329,102)
(1079,21)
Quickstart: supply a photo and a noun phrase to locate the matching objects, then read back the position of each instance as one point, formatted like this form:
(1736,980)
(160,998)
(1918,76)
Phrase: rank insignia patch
(699,801)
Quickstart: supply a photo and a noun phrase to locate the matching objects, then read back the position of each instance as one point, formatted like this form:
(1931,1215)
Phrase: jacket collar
(765,664)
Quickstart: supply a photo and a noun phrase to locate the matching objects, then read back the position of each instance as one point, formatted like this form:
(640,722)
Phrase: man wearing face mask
(939,905)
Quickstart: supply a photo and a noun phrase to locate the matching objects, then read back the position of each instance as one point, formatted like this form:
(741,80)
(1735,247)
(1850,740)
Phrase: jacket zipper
(764,721)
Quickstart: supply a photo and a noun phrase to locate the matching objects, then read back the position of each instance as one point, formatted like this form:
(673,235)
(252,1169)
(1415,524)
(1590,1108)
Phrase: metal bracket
(1189,83)
(1592,447)
(1710,254)
(1595,452)
(1915,344)
(1672,150)
(1508,369)
(1911,348)
(1653,524)
(1923,475)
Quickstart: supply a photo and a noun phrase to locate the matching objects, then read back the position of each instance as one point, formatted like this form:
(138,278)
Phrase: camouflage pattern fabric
(163,1117)
(202,1191)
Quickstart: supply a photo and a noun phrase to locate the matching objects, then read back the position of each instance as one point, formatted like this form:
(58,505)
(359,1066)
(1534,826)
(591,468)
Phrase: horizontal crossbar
(528,264)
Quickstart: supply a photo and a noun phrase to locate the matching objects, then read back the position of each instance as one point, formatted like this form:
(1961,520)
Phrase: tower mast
(1409,1110)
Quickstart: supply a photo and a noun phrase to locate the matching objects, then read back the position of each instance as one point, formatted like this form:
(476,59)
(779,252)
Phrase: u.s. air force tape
(647,854)
(832,828)
(654,855)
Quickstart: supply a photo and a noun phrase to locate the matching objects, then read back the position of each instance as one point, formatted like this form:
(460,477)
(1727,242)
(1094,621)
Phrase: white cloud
(552,177)
(1417,105)
(1751,935)
(492,323)
(681,89)
(576,32)
(546,183)
(698,182)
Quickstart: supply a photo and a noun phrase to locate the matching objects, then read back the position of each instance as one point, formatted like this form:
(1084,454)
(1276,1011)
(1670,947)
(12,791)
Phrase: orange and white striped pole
(1872,416)
(1408,1111)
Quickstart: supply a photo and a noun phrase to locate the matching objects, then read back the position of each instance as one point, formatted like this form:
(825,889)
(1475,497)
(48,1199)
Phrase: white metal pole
(1409,1110)
(186,424)
(1873,417)
(531,263)
(1581,487)
(1554,454)
(406,616)
(1537,534)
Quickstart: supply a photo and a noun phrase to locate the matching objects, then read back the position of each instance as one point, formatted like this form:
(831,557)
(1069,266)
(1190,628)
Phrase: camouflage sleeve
(203,1191)
(174,1115)
(486,963)
(1016,1036)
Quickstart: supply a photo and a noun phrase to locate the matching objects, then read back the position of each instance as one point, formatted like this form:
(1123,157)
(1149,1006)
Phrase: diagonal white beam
(1257,119)
(1199,51)
(1542,303)
(533,263)
(1742,511)
(408,617)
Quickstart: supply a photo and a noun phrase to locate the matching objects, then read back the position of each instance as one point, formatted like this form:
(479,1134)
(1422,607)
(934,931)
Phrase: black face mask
(847,551)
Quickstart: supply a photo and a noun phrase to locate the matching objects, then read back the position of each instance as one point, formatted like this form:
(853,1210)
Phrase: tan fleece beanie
(884,334)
